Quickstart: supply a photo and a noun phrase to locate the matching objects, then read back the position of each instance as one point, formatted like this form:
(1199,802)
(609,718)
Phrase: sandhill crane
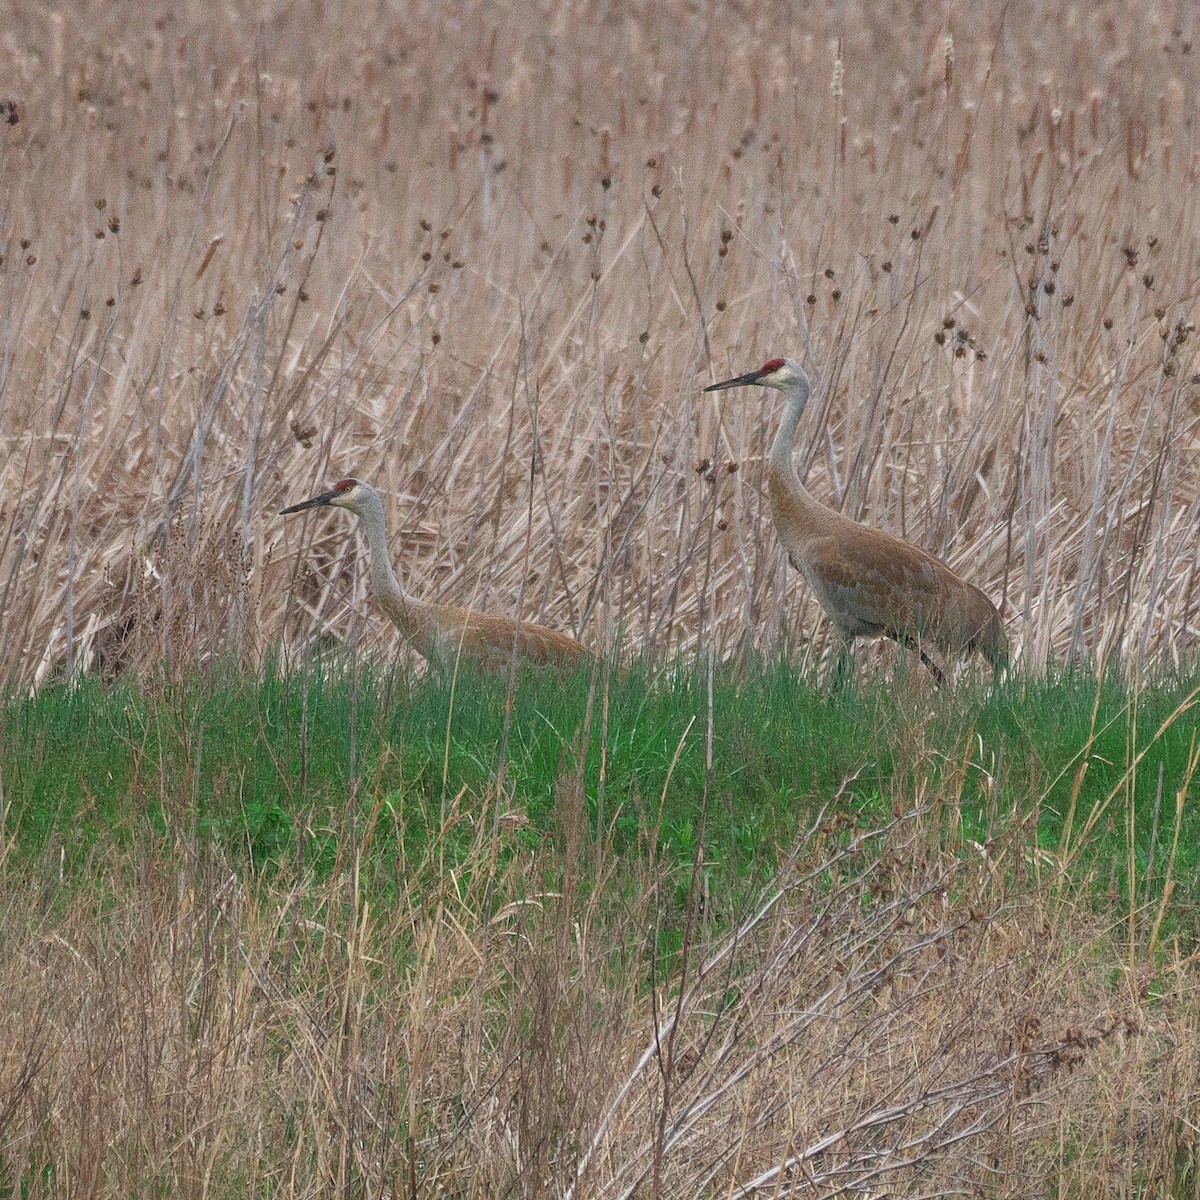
(439,630)
(869,582)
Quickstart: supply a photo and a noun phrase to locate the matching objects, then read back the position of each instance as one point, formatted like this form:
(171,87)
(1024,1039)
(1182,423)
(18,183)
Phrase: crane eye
(343,486)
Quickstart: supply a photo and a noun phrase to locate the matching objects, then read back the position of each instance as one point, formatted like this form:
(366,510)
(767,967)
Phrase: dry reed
(486,258)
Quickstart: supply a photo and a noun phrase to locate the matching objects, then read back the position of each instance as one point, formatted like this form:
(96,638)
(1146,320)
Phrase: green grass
(263,766)
(354,808)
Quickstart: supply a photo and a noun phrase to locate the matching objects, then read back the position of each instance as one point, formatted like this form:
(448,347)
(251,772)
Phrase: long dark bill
(315,502)
(740,381)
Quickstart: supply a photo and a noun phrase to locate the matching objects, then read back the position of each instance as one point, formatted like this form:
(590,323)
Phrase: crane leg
(911,643)
(843,668)
(938,676)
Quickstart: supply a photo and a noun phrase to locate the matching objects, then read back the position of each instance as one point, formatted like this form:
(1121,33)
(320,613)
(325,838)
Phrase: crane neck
(796,398)
(413,617)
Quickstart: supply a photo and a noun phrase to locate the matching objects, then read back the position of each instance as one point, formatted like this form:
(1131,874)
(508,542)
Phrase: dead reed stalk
(447,250)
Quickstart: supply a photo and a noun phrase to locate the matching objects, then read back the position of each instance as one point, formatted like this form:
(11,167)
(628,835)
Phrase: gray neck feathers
(796,394)
(374,525)
(393,599)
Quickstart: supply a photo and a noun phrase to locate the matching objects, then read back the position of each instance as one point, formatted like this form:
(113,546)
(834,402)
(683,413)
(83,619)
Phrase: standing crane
(870,583)
(439,631)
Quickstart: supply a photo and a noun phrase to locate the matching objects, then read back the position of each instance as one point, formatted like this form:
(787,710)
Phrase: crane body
(441,631)
(870,583)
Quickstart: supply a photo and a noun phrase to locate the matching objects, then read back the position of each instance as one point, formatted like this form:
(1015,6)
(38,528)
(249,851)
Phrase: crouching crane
(438,631)
(870,583)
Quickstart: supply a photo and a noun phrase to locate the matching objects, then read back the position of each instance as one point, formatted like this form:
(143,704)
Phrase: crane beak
(315,502)
(740,381)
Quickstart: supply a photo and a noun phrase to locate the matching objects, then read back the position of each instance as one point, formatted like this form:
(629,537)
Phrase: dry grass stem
(884,1017)
(442,251)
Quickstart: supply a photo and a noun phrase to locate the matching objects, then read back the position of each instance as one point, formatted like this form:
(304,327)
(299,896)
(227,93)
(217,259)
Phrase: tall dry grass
(885,1019)
(486,256)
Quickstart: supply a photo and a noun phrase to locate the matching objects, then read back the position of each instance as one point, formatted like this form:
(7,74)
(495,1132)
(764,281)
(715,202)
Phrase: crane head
(779,373)
(346,493)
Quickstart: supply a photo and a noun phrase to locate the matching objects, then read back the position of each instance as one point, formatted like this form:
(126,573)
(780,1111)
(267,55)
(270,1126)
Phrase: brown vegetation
(487,258)
(887,1019)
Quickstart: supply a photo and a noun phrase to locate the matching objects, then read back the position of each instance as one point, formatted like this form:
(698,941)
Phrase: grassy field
(672,933)
(264,768)
(281,913)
